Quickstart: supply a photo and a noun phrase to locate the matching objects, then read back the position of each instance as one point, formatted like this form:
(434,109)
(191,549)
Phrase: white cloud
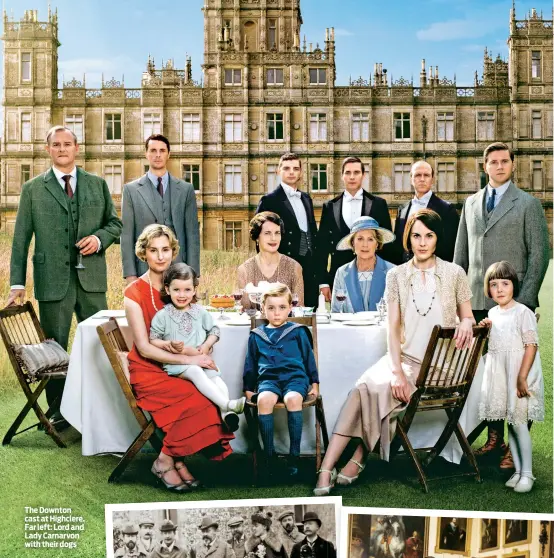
(343,33)
(476,24)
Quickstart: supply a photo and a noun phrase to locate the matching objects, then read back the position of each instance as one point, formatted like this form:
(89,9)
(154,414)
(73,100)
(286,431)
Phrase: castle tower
(30,84)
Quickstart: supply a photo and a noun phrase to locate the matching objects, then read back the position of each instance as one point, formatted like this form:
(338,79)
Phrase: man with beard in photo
(237,540)
(214,545)
(290,534)
(145,542)
(129,548)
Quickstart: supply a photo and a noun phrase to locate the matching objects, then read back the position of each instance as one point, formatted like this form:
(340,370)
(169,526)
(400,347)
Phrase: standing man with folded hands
(73,219)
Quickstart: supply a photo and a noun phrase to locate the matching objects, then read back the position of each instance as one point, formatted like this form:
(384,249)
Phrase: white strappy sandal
(345,480)
(326,490)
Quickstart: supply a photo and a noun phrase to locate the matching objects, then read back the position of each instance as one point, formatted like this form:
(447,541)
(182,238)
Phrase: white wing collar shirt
(352,206)
(295,199)
(420,203)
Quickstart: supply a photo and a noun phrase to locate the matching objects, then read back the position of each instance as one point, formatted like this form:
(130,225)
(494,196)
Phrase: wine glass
(256,299)
(237,295)
(203,296)
(382,309)
(294,303)
(222,315)
(340,295)
(80,261)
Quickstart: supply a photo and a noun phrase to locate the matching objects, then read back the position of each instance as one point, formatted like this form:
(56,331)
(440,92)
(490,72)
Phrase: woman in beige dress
(267,229)
(420,294)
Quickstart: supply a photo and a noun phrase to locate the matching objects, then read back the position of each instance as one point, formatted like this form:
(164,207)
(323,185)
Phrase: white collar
(359,195)
(289,190)
(425,198)
(59,174)
(500,190)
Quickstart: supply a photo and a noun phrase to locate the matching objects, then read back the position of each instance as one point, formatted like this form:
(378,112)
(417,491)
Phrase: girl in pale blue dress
(182,326)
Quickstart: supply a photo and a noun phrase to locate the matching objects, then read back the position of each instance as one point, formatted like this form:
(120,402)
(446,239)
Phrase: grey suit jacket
(516,231)
(138,211)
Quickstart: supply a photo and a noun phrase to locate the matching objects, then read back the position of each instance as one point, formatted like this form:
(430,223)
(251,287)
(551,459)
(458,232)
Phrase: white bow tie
(359,196)
(419,202)
(295,194)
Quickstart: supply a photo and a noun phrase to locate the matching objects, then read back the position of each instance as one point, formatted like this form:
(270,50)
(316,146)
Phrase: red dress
(191,422)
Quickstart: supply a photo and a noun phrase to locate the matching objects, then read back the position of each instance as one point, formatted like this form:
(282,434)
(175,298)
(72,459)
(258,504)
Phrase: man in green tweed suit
(70,212)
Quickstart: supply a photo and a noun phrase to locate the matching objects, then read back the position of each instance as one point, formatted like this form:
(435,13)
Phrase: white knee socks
(522,448)
(214,389)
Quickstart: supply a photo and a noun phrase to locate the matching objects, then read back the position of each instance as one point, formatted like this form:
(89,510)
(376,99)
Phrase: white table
(94,404)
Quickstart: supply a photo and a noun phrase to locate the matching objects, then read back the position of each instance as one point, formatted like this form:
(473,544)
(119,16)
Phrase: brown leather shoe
(494,444)
(507,461)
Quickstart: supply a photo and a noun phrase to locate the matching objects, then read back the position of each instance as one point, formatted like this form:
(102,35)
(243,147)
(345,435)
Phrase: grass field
(36,473)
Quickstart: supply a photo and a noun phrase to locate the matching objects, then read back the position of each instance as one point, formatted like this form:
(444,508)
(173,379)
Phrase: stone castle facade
(264,91)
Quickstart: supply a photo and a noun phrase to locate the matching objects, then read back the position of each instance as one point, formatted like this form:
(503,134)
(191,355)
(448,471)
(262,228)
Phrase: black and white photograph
(283,529)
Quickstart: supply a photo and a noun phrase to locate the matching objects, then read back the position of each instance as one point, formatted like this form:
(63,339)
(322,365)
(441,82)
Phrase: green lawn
(36,473)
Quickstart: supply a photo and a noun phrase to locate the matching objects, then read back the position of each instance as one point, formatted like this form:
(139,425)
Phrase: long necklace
(151,291)
(413,298)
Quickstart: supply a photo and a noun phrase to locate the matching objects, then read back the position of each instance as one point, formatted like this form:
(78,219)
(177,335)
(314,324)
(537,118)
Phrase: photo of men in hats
(213,545)
(145,542)
(129,548)
(264,543)
(237,540)
(313,546)
(169,546)
(289,532)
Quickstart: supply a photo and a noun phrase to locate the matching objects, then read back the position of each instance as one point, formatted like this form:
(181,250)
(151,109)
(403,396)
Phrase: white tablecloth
(94,404)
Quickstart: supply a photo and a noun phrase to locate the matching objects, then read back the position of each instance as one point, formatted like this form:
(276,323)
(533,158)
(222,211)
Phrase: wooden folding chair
(116,349)
(19,325)
(251,409)
(443,383)
(478,430)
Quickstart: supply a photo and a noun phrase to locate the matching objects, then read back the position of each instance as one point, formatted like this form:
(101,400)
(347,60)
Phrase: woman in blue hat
(362,279)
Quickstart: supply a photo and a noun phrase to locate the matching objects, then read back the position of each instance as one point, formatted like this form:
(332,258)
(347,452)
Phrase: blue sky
(115,37)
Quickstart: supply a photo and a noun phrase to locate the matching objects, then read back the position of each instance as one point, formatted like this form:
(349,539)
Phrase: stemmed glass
(256,299)
(237,295)
(340,295)
(222,315)
(294,303)
(382,309)
(80,261)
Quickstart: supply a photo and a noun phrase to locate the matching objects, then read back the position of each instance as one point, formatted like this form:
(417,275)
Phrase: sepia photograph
(281,529)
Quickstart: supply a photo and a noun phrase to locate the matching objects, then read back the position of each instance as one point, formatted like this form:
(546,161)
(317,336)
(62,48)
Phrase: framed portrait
(489,536)
(551,541)
(454,536)
(523,554)
(516,531)
(379,536)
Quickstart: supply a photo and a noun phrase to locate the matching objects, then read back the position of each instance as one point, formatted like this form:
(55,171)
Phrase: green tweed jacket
(43,211)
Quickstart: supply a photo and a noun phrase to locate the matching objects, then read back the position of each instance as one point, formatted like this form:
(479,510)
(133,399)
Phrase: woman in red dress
(190,421)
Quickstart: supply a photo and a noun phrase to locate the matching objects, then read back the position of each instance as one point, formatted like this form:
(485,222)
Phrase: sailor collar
(290,327)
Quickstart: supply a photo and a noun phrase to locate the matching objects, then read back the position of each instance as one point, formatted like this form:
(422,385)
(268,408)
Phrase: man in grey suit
(502,222)
(158,197)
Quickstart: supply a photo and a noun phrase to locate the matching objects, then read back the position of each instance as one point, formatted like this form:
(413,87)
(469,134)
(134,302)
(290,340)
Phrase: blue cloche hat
(361,224)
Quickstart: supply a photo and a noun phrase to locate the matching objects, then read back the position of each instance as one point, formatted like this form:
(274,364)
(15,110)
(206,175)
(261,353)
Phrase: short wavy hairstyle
(431,219)
(155,231)
(278,290)
(378,238)
(258,221)
(501,270)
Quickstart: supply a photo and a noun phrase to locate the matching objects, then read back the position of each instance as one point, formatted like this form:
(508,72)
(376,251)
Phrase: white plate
(365,315)
(360,322)
(236,322)
(338,317)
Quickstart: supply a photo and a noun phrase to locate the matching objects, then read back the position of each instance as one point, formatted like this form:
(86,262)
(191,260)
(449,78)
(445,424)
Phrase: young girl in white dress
(512,386)
(182,326)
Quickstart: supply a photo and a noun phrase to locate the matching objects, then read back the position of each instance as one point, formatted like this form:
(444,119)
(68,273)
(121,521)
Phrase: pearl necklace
(413,297)
(152,292)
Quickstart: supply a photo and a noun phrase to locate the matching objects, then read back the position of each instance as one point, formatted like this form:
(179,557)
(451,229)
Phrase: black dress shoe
(231,422)
(57,421)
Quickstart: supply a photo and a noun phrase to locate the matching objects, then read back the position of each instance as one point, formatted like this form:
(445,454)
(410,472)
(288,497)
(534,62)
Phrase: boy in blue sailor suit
(280,365)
